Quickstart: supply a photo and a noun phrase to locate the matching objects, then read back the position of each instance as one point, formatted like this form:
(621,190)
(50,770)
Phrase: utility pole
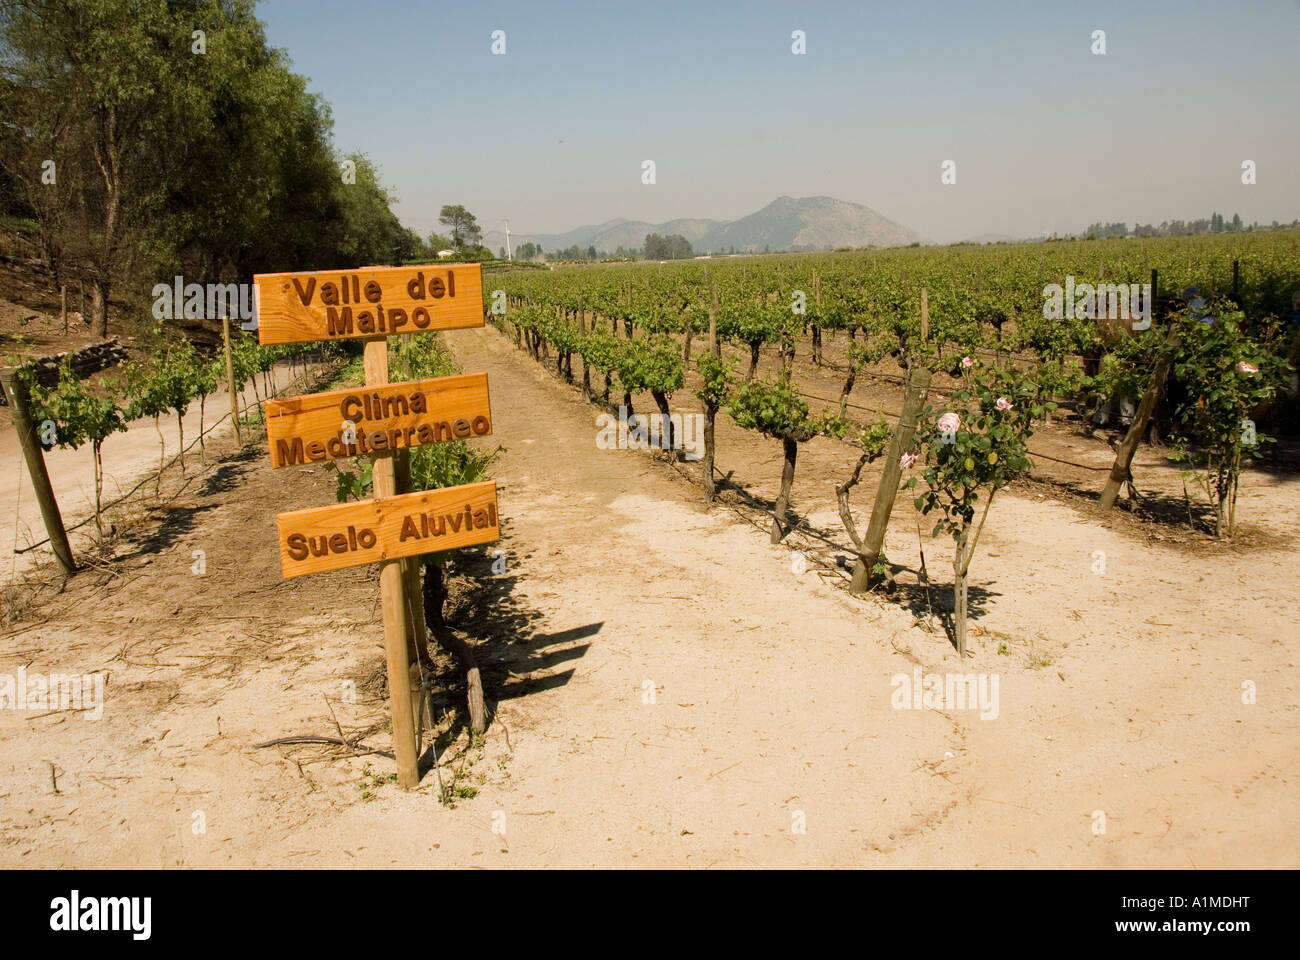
(509,256)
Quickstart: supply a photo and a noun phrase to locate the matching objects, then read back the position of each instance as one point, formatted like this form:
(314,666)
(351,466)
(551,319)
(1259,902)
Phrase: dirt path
(769,739)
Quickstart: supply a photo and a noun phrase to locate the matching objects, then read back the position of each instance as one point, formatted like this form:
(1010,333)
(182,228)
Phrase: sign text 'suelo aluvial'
(387,528)
(373,302)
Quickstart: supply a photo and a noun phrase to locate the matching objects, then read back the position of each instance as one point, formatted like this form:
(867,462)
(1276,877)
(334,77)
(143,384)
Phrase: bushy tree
(1227,376)
(971,449)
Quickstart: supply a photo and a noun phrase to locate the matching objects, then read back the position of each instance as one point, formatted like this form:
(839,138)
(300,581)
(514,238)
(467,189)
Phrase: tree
(972,450)
(1227,376)
(372,235)
(216,166)
(102,74)
(465,231)
(673,247)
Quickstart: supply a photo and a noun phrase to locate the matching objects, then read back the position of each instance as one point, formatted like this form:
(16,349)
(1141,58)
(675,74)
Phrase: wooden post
(392,592)
(714,346)
(230,380)
(1119,471)
(16,391)
(417,647)
(918,384)
(710,411)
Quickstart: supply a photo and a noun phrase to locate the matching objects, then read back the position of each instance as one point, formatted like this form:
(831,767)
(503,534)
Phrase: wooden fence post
(16,391)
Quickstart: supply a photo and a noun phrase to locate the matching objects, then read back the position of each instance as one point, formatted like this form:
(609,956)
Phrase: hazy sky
(1045,134)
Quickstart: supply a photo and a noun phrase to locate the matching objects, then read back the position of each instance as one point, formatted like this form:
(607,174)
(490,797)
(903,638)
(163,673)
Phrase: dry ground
(1119,692)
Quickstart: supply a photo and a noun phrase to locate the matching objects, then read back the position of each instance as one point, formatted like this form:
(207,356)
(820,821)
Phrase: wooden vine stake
(383,421)
(918,384)
(16,392)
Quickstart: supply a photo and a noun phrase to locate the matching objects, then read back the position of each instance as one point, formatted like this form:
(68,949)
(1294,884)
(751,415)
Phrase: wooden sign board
(388,528)
(373,302)
(377,420)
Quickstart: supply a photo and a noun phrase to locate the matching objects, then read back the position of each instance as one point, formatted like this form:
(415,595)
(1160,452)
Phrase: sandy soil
(667,690)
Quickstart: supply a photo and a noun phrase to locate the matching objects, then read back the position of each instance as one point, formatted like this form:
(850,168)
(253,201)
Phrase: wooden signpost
(348,423)
(370,531)
(376,302)
(382,420)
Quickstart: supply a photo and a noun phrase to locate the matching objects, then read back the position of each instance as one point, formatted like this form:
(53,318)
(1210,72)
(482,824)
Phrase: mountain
(804,224)
(810,223)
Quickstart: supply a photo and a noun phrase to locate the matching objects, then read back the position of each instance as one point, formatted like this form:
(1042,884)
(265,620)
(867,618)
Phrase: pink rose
(1245,367)
(906,461)
(1003,404)
(949,423)
(967,362)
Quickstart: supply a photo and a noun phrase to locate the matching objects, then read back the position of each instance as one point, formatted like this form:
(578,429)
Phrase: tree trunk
(105,150)
(434,596)
(848,388)
(99,306)
(666,425)
(959,593)
(99,486)
(791,450)
(816,345)
(162,456)
(710,490)
(753,361)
